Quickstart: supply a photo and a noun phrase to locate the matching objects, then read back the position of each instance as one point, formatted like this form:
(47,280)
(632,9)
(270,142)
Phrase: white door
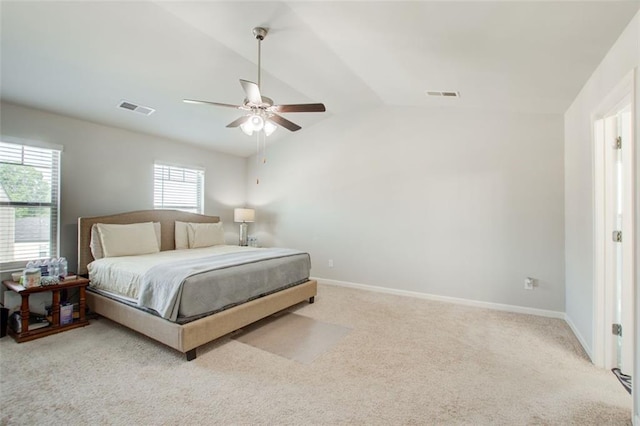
(619,205)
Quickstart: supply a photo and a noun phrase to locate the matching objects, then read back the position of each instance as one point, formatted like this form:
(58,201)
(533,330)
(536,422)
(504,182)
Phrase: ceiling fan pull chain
(264,148)
(258,148)
(258,158)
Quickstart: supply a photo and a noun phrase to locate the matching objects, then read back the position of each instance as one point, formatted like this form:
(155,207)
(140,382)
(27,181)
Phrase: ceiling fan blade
(289,125)
(238,122)
(193,101)
(252,91)
(299,108)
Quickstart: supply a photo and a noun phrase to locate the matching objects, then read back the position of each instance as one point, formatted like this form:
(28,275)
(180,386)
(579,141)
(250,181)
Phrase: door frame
(603,340)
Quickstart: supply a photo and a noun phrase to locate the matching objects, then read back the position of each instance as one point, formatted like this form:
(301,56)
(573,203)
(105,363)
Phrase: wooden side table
(25,334)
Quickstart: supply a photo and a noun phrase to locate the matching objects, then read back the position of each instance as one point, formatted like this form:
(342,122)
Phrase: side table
(55,327)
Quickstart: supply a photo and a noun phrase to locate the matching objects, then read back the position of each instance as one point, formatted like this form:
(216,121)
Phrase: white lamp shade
(256,122)
(247,128)
(244,215)
(269,128)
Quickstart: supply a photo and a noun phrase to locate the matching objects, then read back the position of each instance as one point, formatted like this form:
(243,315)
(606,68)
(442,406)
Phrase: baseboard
(578,335)
(456,300)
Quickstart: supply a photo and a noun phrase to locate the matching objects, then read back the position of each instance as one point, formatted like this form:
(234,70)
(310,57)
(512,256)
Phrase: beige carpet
(404,361)
(292,336)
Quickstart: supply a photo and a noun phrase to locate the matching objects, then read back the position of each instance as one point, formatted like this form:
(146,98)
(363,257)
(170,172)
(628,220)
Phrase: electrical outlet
(330,263)
(528,283)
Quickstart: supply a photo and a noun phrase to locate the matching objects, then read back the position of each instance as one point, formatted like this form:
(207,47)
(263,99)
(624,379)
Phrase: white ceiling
(81,58)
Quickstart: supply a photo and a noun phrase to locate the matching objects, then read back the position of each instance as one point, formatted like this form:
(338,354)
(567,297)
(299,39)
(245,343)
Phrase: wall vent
(443,94)
(136,108)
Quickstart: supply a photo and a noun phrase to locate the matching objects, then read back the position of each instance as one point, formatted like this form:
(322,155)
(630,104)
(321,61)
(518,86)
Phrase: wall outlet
(528,283)
(330,263)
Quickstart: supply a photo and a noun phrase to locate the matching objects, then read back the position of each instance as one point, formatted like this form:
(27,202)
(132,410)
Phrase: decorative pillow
(182,238)
(157,229)
(205,234)
(96,245)
(128,240)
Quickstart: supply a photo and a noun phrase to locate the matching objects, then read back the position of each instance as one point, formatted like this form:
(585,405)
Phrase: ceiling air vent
(443,94)
(136,108)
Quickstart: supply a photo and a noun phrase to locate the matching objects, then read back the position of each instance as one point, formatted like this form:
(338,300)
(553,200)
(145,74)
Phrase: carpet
(403,361)
(292,336)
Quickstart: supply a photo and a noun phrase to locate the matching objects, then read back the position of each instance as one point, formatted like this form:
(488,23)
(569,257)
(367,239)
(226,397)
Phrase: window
(29,203)
(178,188)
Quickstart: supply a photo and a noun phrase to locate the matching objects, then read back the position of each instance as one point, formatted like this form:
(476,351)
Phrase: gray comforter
(162,286)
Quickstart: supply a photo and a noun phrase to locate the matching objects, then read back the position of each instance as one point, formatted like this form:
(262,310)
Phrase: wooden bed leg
(312,299)
(191,355)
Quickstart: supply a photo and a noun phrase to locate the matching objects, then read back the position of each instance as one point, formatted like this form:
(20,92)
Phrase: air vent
(443,94)
(136,108)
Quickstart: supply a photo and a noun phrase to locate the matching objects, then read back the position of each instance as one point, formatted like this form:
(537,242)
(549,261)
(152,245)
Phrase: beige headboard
(166,218)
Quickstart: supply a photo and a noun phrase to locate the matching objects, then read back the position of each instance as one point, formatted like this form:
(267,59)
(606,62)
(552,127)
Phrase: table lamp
(243,216)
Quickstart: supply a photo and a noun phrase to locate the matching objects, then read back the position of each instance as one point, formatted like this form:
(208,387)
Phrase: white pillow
(96,245)
(128,240)
(158,231)
(205,234)
(181,238)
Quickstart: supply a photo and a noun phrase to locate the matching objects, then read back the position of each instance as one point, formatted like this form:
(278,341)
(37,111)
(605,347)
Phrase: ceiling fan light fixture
(256,122)
(246,129)
(269,128)
(260,112)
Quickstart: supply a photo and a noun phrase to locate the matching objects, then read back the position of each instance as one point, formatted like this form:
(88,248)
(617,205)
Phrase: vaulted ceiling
(82,58)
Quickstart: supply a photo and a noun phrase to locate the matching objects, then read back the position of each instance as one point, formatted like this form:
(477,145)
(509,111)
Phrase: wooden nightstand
(55,327)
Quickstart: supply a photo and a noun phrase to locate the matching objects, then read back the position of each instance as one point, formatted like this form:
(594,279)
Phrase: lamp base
(243,234)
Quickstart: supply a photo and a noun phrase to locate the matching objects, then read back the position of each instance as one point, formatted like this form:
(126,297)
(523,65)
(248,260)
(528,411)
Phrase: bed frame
(183,337)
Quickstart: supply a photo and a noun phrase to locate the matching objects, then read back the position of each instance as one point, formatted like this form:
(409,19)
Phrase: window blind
(29,204)
(178,188)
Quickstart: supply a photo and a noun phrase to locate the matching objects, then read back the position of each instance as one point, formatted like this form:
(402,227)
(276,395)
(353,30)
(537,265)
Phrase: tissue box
(66,314)
(31,278)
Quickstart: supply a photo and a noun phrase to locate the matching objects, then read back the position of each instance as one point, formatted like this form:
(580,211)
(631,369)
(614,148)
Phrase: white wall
(450,202)
(636,367)
(109,170)
(579,202)
(623,58)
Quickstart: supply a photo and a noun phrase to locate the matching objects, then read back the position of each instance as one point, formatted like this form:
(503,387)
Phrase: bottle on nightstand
(63,267)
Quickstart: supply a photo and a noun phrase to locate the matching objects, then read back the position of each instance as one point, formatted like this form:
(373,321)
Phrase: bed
(186,332)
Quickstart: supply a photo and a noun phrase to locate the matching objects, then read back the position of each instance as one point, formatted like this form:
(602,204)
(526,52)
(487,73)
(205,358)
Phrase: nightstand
(55,327)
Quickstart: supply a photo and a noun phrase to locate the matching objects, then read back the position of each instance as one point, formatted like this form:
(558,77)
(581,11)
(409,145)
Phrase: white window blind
(29,204)
(178,188)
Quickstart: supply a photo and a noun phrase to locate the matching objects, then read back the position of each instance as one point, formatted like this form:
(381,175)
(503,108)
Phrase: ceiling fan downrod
(259,33)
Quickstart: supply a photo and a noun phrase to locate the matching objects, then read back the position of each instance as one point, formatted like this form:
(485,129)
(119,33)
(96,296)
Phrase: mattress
(207,291)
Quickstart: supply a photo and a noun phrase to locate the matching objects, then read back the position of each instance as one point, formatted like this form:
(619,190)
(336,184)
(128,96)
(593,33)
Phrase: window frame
(200,174)
(54,204)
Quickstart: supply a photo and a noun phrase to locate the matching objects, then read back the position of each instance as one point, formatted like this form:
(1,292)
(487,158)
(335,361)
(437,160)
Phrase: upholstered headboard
(166,218)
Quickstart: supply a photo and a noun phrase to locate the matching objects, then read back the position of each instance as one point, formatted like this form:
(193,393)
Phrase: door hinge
(618,143)
(616,329)
(617,236)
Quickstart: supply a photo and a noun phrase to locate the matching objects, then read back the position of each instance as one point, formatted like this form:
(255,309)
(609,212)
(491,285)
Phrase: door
(619,205)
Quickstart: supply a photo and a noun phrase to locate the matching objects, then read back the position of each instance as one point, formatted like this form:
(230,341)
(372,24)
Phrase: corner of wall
(579,336)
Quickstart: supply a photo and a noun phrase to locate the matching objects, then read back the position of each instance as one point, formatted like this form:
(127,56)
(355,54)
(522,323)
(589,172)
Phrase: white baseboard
(578,335)
(456,300)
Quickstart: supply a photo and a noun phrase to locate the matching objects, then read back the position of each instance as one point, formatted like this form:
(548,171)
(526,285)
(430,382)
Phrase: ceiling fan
(261,114)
